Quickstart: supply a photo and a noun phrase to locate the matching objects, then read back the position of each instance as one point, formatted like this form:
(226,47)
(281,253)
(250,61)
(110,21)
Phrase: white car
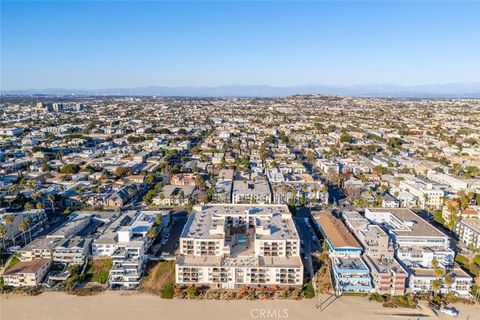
(14,249)
(450,311)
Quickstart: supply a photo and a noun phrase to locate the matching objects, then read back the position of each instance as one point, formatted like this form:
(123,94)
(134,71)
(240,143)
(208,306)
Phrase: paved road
(178,222)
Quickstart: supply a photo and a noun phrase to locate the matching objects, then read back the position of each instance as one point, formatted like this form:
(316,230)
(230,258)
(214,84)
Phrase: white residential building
(421,280)
(229,246)
(454,183)
(416,241)
(251,192)
(427,193)
(468,232)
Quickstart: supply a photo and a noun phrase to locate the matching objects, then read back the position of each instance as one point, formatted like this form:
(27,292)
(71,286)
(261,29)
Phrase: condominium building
(126,241)
(229,246)
(127,261)
(375,241)
(388,276)
(251,192)
(27,273)
(427,193)
(468,232)
(73,251)
(421,280)
(40,248)
(349,270)
(416,241)
(296,189)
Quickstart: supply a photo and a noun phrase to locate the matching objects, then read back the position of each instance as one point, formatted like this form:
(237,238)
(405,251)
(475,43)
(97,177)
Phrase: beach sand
(137,306)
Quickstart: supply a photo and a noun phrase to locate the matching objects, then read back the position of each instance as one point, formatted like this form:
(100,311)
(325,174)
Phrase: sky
(110,44)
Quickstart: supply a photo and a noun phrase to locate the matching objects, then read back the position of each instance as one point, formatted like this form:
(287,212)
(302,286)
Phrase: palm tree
(448,282)
(436,284)
(477,282)
(158,219)
(3,234)
(23,227)
(151,233)
(28,221)
(9,219)
(51,198)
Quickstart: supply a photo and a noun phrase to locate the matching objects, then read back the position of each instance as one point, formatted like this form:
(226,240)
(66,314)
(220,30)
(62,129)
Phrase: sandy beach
(117,306)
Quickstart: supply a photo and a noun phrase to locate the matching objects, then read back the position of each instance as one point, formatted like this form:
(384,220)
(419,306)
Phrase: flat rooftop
(385,266)
(472,223)
(350,264)
(335,231)
(409,224)
(455,272)
(260,186)
(247,261)
(209,221)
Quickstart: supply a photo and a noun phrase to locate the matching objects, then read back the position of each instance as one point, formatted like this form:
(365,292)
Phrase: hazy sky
(102,44)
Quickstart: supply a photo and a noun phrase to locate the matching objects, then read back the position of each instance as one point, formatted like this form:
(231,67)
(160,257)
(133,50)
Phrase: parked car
(14,249)
(450,311)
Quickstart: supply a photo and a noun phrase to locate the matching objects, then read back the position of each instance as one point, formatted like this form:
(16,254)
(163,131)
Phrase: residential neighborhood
(239,198)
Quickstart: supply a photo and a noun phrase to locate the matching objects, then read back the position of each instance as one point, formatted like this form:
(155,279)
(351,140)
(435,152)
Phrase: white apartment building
(126,241)
(421,280)
(251,192)
(468,232)
(443,178)
(427,193)
(228,246)
(73,250)
(388,276)
(128,261)
(416,241)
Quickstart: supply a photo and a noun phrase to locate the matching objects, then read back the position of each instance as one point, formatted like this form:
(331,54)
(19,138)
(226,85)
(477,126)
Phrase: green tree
(9,219)
(70,168)
(122,171)
(346,138)
(28,206)
(28,221)
(436,285)
(51,198)
(151,233)
(3,235)
(23,227)
(448,281)
(150,179)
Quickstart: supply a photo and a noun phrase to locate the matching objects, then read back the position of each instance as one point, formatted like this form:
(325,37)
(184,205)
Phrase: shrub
(192,292)
(476,260)
(167,291)
(308,291)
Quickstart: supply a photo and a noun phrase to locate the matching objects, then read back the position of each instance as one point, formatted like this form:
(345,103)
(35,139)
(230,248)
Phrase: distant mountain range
(451,90)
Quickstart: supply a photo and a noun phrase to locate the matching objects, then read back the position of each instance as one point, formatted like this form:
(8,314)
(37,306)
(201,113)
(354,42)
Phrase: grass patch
(13,261)
(98,269)
(160,279)
(168,291)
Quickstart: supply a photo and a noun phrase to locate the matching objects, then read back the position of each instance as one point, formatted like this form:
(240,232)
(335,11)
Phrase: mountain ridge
(452,90)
